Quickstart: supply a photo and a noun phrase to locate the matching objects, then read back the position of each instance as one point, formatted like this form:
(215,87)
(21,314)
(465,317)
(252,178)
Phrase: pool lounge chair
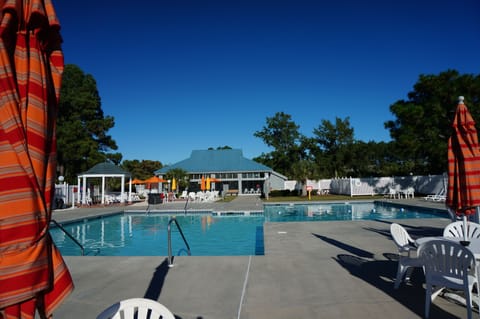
(438,197)
(184,195)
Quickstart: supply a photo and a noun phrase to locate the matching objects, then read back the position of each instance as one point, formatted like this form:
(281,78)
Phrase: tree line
(419,134)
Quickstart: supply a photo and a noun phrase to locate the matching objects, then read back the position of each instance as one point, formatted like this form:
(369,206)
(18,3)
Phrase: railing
(169,230)
(69,235)
(186,203)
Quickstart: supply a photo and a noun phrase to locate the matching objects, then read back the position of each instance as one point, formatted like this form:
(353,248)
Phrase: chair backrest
(446,258)
(400,236)
(456,229)
(138,308)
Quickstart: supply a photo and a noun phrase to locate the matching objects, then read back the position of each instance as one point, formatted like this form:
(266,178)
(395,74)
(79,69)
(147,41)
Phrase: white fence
(431,184)
(65,196)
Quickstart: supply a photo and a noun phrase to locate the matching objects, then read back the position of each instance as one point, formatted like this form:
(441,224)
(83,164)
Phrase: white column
(122,199)
(78,190)
(130,190)
(103,190)
(84,192)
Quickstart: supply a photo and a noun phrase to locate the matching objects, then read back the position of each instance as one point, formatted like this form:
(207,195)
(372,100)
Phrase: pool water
(207,234)
(344,211)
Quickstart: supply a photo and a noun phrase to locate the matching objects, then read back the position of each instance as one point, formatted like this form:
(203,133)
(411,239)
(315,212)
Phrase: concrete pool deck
(309,270)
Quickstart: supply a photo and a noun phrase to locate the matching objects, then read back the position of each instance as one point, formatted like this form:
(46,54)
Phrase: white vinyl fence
(431,184)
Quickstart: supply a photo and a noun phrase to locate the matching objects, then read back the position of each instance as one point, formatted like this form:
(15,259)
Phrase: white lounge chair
(438,197)
(407,253)
(184,195)
(136,308)
(447,264)
(200,196)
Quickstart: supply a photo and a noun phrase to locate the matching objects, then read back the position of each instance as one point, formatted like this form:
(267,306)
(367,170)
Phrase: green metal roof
(106,169)
(205,161)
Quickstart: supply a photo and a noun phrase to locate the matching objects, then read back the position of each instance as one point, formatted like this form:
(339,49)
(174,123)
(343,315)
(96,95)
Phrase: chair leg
(428,300)
(468,297)
(400,271)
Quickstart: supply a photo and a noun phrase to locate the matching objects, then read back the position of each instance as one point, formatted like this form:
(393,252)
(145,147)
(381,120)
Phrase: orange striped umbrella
(463,194)
(33,274)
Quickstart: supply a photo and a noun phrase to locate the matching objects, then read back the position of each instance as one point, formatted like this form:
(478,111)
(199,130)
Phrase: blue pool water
(207,234)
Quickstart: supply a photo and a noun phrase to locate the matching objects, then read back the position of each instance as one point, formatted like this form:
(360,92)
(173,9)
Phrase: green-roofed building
(230,169)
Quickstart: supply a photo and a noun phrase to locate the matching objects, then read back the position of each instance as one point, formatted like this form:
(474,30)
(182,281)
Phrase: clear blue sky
(182,75)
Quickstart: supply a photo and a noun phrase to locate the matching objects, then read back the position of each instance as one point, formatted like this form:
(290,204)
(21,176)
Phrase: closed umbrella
(202,183)
(33,275)
(174,184)
(207,183)
(463,194)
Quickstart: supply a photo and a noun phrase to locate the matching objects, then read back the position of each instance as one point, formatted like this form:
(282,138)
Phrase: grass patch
(227,199)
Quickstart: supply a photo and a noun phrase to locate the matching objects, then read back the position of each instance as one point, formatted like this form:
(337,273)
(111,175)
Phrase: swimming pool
(209,234)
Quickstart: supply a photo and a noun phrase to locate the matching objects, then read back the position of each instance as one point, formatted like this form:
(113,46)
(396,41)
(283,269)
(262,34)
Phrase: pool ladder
(169,231)
(69,236)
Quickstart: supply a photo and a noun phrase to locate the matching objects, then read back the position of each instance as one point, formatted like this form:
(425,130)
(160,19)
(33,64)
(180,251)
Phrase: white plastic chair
(138,308)
(456,229)
(447,264)
(392,193)
(410,192)
(407,253)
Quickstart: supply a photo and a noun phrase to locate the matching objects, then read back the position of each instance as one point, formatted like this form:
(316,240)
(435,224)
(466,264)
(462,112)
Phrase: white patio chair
(392,193)
(138,308)
(409,192)
(447,264)
(192,195)
(184,195)
(456,229)
(407,253)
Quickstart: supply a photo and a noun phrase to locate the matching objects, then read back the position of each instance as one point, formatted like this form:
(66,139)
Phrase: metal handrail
(169,231)
(69,235)
(186,203)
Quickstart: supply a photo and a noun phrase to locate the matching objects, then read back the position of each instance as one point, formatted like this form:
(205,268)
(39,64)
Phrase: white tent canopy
(104,170)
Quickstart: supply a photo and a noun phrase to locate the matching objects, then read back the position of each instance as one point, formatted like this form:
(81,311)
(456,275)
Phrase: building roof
(106,169)
(216,161)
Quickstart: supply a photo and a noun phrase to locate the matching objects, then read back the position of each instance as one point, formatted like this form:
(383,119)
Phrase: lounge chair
(438,197)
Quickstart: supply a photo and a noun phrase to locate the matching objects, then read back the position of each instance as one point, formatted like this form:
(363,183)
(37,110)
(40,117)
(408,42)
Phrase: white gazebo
(104,170)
